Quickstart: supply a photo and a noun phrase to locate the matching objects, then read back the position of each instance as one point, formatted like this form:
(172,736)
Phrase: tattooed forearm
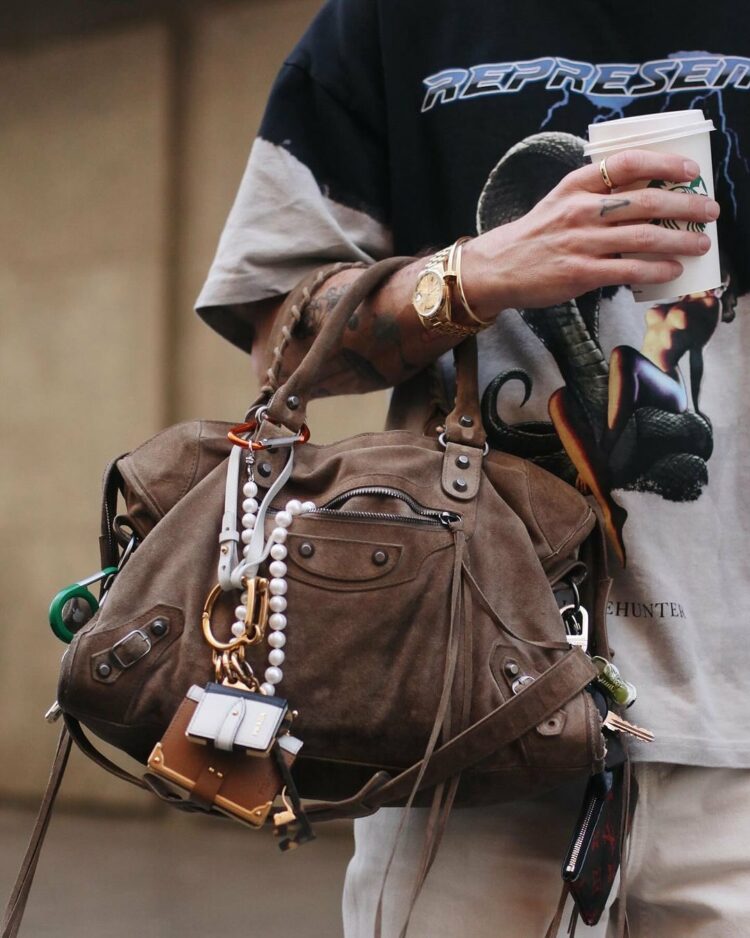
(317,310)
(611,205)
(382,344)
(368,374)
(386,329)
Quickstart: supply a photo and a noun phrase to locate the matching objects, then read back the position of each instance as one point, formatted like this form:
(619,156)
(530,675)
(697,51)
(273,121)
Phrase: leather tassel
(554,925)
(621,925)
(442,715)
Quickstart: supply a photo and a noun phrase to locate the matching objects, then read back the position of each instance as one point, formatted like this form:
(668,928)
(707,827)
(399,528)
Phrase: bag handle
(288,406)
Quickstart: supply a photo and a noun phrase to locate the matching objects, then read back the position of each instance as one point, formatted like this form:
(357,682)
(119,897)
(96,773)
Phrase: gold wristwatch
(432,294)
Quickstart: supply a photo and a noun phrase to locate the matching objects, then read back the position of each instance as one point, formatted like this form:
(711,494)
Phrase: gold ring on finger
(605,175)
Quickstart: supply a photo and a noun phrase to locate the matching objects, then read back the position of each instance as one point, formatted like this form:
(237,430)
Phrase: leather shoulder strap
(501,726)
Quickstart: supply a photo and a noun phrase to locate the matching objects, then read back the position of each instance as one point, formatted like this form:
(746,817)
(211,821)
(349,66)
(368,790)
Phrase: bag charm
(205,749)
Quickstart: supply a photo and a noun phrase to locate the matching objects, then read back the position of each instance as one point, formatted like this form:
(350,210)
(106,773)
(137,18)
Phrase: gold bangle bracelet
(459,247)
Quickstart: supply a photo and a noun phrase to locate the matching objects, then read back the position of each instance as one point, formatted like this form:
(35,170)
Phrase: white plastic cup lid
(610,131)
(643,140)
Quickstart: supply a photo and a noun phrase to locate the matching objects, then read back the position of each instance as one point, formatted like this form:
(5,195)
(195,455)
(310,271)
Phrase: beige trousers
(497,874)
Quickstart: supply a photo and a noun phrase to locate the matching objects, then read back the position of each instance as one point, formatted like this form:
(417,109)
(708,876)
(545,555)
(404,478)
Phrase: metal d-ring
(444,443)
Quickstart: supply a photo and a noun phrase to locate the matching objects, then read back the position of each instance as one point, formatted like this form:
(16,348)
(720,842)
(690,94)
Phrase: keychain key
(614,722)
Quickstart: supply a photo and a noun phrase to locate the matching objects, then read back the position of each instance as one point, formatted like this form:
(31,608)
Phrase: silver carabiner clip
(576,621)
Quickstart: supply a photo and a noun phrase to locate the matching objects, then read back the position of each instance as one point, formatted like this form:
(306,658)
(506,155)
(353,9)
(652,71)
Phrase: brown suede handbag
(426,656)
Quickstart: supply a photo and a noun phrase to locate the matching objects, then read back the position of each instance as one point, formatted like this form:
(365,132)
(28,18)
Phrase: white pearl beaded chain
(277,585)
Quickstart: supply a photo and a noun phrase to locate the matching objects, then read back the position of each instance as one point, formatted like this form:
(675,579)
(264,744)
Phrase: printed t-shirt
(397,127)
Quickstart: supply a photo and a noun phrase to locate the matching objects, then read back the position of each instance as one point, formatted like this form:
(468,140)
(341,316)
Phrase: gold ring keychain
(256,617)
(230,667)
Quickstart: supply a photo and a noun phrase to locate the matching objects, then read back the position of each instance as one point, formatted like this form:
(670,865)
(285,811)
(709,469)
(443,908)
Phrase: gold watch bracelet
(459,248)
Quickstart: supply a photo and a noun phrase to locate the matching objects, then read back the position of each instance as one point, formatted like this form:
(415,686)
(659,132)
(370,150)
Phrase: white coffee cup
(685,133)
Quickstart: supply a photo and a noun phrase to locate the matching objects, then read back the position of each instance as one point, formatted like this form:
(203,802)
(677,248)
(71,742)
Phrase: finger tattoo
(612,205)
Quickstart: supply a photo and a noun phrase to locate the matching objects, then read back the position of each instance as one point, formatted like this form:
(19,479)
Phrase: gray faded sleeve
(282,225)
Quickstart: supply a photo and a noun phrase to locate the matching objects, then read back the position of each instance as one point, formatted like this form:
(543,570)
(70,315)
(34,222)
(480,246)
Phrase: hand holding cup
(583,235)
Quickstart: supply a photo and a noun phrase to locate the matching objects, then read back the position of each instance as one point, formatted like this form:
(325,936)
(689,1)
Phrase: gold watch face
(428,294)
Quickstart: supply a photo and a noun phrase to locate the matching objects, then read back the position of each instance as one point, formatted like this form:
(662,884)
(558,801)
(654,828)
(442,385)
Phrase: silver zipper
(578,845)
(424,515)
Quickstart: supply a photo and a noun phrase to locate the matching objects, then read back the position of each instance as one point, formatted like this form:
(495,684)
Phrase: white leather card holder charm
(237,720)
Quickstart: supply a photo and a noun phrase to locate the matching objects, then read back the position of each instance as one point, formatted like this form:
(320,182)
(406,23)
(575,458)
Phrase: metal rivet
(265,469)
(520,682)
(460,485)
(511,669)
(466,421)
(103,669)
(158,627)
(306,549)
(463,462)
(292,402)
(380,557)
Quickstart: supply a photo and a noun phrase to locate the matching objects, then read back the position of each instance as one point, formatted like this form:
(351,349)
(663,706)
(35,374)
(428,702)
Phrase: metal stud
(159,627)
(466,421)
(103,669)
(306,549)
(463,462)
(460,485)
(265,469)
(379,558)
(292,402)
(511,668)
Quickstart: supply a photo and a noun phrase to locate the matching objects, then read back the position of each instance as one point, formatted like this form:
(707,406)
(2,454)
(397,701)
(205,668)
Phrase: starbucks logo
(696,187)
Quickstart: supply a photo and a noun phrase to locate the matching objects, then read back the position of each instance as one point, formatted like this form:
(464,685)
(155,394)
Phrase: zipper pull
(447,518)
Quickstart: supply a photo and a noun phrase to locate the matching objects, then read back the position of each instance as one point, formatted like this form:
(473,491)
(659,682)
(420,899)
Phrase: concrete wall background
(120,152)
